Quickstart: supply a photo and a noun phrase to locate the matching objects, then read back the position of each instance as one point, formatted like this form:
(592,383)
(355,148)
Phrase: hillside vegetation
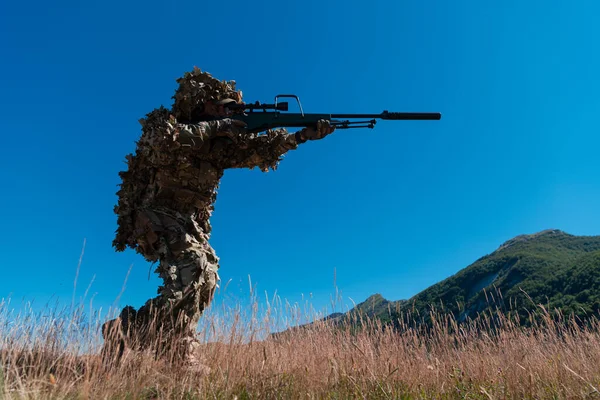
(551,268)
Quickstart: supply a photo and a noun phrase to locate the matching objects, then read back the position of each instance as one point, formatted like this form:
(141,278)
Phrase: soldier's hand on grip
(234,125)
(323,129)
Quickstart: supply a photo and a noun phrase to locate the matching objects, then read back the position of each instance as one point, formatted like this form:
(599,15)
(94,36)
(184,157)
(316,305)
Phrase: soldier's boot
(115,334)
(190,356)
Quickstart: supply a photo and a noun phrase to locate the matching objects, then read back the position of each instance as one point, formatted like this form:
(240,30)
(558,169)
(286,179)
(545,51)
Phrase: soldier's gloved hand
(323,129)
(234,125)
(229,127)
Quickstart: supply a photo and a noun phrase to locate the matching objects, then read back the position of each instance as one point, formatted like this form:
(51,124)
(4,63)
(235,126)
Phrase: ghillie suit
(165,202)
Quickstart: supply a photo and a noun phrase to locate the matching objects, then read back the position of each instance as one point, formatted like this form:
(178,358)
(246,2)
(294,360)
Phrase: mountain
(551,268)
(373,307)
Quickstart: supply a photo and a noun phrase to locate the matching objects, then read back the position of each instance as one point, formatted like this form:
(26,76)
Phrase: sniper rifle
(259,119)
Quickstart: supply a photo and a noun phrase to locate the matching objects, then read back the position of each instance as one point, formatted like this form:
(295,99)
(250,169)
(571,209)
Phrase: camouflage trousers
(188,267)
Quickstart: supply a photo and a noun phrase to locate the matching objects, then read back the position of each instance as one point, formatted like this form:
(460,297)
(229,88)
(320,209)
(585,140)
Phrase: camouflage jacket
(178,167)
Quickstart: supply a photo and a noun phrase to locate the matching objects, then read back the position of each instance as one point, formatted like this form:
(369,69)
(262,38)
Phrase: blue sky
(390,210)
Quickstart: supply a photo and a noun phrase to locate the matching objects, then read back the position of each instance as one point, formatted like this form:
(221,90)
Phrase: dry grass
(50,359)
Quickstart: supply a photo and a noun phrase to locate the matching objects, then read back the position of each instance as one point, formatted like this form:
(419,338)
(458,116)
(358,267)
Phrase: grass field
(56,358)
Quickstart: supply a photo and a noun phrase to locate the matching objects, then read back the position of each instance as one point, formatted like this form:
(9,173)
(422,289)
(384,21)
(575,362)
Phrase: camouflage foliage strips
(197,87)
(165,202)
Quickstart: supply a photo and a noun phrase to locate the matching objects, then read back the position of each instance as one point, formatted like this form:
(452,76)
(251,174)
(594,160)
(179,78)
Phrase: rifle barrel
(393,115)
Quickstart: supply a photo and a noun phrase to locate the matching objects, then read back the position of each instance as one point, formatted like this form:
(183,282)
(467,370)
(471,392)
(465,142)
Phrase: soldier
(166,199)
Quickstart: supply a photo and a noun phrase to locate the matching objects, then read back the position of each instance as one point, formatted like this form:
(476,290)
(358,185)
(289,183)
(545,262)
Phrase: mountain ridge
(549,267)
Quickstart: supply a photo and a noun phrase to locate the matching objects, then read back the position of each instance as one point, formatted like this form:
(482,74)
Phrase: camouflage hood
(198,87)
